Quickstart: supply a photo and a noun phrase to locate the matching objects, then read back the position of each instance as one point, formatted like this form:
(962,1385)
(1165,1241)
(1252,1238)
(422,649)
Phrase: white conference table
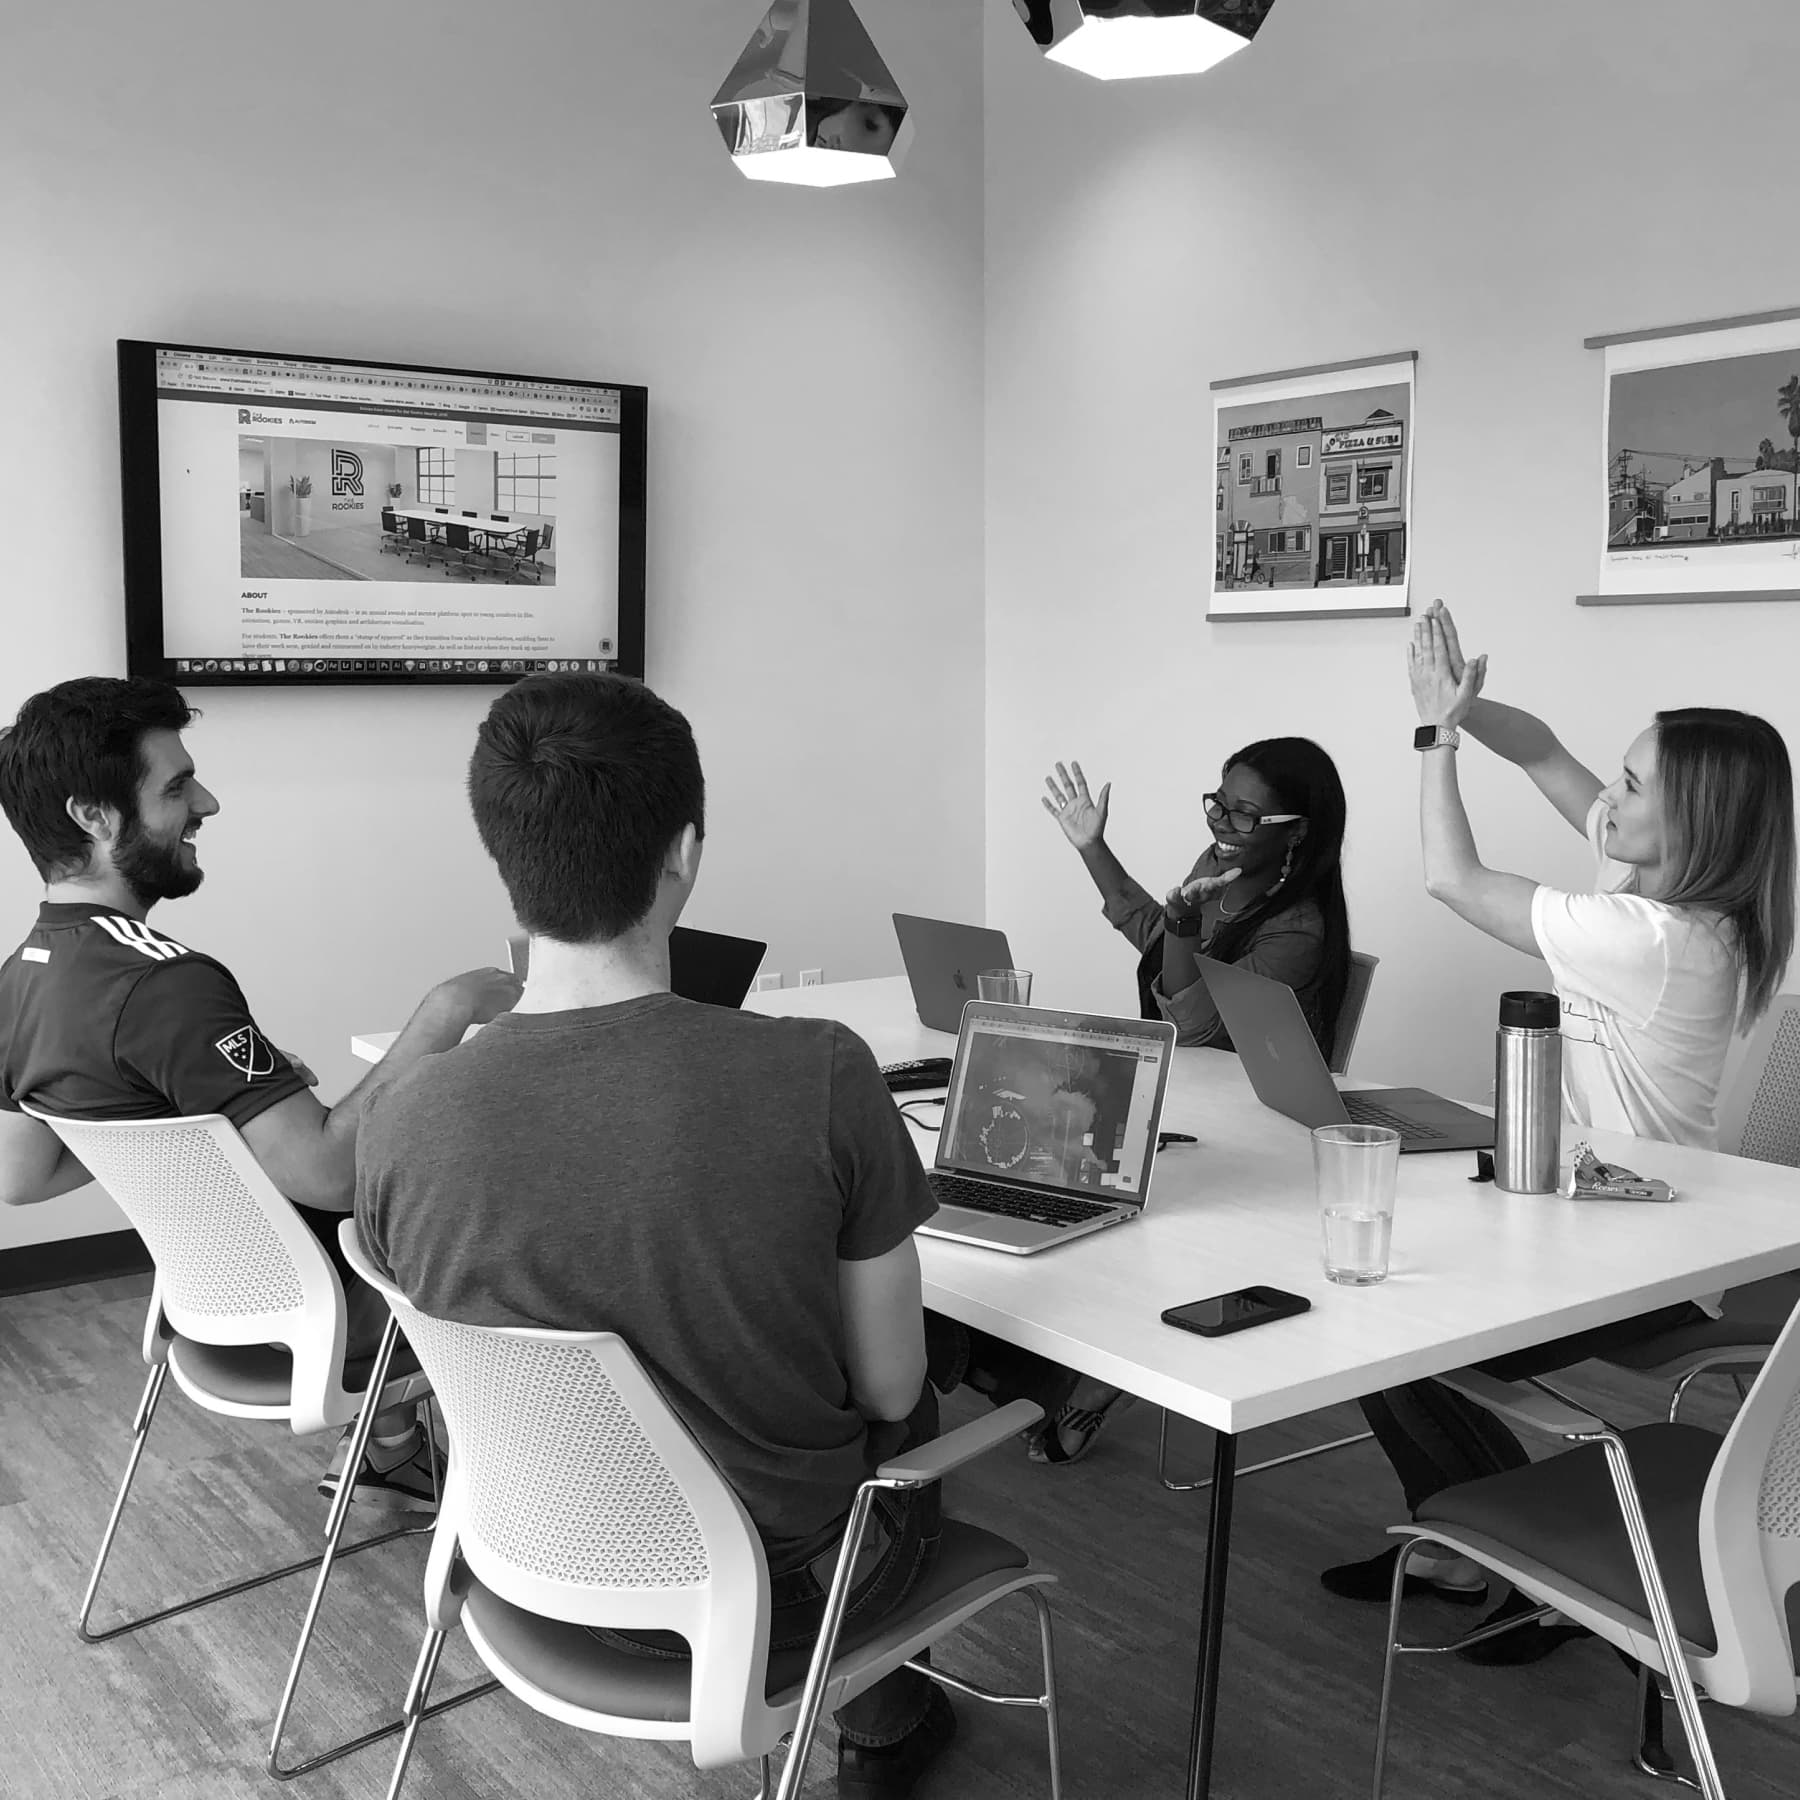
(488,527)
(1475,1272)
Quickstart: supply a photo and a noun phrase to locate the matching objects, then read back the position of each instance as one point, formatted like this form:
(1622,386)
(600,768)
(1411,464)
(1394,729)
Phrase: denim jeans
(899,1548)
(954,1354)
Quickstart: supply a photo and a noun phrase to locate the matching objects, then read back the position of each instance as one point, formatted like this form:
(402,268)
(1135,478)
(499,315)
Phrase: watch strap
(1436,737)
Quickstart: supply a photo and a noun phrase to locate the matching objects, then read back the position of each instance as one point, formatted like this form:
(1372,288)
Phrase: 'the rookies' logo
(346,472)
(247,417)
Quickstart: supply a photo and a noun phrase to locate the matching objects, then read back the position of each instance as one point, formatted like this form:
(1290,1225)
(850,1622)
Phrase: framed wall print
(1701,440)
(1312,496)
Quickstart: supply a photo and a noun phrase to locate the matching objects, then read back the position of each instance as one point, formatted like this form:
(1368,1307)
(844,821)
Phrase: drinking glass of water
(1012,987)
(1355,1166)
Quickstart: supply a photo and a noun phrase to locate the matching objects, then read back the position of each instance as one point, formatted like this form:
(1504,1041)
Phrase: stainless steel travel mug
(1528,1093)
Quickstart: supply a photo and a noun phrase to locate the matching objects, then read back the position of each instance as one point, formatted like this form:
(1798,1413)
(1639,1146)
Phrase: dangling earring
(1287,868)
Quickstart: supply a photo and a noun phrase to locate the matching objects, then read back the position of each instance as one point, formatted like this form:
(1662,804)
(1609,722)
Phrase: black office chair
(393,534)
(459,540)
(416,534)
(526,555)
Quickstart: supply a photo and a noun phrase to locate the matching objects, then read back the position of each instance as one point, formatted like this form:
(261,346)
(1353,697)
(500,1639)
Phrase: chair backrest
(235,1264)
(1750,1537)
(1759,1114)
(531,542)
(415,529)
(1349,1019)
(388,520)
(548,538)
(458,536)
(576,1493)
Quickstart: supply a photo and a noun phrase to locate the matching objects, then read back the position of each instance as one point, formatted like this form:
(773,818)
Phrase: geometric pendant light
(1117,40)
(811,101)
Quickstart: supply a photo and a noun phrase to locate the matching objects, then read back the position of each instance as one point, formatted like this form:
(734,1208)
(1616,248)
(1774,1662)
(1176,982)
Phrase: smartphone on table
(1236,1311)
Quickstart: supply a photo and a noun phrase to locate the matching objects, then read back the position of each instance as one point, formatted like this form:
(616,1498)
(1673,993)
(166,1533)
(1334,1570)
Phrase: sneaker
(404,1487)
(892,1771)
(1528,1644)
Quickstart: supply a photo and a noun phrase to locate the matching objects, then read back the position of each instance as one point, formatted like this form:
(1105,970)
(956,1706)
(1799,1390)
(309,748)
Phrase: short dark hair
(579,784)
(80,740)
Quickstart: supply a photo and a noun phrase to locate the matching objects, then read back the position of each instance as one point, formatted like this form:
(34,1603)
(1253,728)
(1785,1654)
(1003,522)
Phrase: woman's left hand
(1442,699)
(1192,895)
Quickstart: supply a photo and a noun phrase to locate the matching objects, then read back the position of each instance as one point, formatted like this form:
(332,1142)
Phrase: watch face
(1425,737)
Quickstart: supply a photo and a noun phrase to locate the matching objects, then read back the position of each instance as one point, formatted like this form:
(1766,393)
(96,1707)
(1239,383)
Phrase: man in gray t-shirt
(734,1195)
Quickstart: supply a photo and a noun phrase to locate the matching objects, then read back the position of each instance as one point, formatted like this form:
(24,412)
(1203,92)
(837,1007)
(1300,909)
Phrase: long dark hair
(1305,781)
(1728,817)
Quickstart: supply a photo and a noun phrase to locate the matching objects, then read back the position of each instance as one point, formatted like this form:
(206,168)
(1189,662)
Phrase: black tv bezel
(140,475)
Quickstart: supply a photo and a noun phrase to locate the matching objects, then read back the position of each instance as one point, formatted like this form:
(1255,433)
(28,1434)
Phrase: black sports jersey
(103,1018)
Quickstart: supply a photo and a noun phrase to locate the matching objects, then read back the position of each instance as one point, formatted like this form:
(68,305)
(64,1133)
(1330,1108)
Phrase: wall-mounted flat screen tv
(295,520)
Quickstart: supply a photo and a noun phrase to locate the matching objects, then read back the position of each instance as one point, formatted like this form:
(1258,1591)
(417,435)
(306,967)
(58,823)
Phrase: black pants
(1436,1438)
(955,1355)
(365,1312)
(898,1552)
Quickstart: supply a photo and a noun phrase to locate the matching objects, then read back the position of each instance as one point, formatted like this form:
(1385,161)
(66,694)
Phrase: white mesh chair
(1349,1022)
(576,1498)
(1678,1547)
(248,1314)
(1350,1014)
(1759,1117)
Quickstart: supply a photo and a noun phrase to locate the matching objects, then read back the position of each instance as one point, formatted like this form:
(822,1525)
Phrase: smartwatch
(1436,737)
(1187,926)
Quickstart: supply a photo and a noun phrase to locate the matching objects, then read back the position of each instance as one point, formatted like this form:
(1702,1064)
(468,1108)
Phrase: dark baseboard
(100,1257)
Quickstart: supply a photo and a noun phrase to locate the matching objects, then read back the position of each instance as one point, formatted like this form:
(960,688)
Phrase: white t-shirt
(1649,1003)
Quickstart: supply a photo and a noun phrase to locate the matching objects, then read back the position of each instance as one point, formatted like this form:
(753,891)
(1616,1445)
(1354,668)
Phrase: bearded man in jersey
(104,1017)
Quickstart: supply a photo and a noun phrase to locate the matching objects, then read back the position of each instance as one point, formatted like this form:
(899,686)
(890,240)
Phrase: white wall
(1484,184)
(814,362)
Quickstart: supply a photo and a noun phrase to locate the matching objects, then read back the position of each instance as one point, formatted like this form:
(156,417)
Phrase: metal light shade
(811,101)
(1118,40)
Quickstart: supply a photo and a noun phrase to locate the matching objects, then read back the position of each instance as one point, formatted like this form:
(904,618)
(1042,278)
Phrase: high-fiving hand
(1081,816)
(1445,683)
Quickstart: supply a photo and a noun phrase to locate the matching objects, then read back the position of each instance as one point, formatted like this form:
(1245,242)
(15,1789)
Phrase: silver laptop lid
(1062,1100)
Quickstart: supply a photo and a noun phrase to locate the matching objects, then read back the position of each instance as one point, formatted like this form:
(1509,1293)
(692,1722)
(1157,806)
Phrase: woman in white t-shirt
(1686,940)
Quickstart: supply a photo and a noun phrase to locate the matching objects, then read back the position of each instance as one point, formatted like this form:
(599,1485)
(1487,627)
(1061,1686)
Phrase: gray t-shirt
(684,1175)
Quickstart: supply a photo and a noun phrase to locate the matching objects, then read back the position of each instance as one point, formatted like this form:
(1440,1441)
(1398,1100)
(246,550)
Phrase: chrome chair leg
(140,1432)
(762,1785)
(1637,1529)
(354,1453)
(413,1712)
(1052,1718)
(1680,1394)
(1652,1753)
(1387,1662)
(1273,1462)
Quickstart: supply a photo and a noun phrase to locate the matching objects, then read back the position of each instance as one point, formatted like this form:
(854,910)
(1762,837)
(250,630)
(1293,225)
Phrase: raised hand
(1081,815)
(1444,682)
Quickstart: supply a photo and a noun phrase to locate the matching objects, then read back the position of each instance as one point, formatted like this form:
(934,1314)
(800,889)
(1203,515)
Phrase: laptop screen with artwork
(1060,1100)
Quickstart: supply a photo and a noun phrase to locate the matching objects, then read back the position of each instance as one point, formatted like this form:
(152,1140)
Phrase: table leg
(1212,1617)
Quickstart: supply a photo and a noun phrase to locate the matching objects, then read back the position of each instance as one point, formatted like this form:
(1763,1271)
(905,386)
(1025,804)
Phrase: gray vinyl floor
(179,1712)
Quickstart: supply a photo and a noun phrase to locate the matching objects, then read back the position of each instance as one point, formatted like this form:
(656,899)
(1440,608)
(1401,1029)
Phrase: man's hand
(1081,816)
(1443,688)
(474,998)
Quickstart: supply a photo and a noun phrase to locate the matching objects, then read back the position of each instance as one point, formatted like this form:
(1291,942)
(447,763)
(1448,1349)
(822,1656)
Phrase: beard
(154,869)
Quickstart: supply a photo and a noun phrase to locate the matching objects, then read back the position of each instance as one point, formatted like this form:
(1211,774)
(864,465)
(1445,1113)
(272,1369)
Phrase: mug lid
(1523,1010)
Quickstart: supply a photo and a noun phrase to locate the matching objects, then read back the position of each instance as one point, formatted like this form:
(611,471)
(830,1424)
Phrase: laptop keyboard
(1372,1112)
(1015,1203)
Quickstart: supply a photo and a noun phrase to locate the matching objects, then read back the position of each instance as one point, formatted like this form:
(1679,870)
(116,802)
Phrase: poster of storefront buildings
(1702,470)
(1311,495)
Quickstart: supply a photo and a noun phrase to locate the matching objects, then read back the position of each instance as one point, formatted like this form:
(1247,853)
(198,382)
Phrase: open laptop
(1049,1127)
(703,965)
(1282,1059)
(942,960)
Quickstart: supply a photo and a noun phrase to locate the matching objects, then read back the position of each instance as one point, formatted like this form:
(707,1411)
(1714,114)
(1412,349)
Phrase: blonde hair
(1727,797)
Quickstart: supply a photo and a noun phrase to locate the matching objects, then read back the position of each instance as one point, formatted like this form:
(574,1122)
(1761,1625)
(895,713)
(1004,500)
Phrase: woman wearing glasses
(1267,893)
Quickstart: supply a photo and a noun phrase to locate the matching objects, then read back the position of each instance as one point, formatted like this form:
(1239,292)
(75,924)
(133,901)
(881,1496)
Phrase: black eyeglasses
(1244,818)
